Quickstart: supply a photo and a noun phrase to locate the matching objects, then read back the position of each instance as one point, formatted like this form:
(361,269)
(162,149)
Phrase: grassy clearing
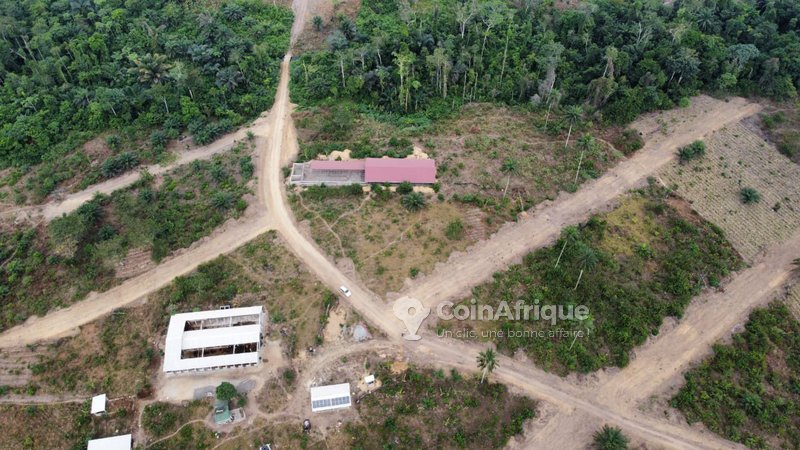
(631,267)
(737,158)
(783,129)
(117,354)
(749,390)
(422,408)
(162,419)
(500,159)
(67,425)
(386,242)
(51,266)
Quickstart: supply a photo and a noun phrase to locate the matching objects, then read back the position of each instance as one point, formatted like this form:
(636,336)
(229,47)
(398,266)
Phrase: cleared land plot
(121,352)
(736,158)
(630,267)
(386,242)
(54,265)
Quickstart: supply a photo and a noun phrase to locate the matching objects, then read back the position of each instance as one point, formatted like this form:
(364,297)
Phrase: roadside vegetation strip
(199,69)
(631,268)
(749,390)
(60,263)
(744,186)
(423,408)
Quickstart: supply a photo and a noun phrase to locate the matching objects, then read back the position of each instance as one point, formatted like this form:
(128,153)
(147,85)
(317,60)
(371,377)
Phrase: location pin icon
(412,312)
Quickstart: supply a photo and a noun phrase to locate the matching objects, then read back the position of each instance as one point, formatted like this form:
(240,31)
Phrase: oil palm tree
(151,68)
(586,142)
(587,258)
(574,115)
(487,362)
(610,438)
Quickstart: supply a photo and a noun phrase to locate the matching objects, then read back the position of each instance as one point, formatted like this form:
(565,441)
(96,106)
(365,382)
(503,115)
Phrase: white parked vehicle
(345,291)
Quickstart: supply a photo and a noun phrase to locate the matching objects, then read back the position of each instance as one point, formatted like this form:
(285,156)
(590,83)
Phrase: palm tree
(569,235)
(574,114)
(487,362)
(413,201)
(151,68)
(610,438)
(588,259)
(584,324)
(586,142)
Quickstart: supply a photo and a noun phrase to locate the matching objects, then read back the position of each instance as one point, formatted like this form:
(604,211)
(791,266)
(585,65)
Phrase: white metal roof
(99,404)
(178,340)
(111,443)
(330,397)
(218,337)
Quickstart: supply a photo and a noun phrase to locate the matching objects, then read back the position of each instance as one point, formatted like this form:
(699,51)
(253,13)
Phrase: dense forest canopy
(73,68)
(621,57)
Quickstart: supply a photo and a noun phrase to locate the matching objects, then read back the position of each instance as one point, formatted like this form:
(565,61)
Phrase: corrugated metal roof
(178,340)
(397,170)
(98,404)
(111,443)
(330,397)
(350,165)
(219,337)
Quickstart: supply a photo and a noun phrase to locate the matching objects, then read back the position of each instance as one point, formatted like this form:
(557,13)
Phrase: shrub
(119,164)
(455,230)
(413,201)
(610,438)
(749,195)
(405,188)
(692,151)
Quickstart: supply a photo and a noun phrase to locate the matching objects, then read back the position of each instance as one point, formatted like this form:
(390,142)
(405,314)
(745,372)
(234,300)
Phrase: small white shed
(334,396)
(99,404)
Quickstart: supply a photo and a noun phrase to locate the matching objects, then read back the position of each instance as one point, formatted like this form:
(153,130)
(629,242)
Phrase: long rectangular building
(364,171)
(218,339)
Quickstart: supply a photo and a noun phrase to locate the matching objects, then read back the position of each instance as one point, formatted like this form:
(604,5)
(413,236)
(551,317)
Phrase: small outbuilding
(334,396)
(111,443)
(222,412)
(99,404)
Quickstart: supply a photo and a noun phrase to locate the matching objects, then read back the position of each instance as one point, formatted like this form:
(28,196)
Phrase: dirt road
(369,305)
(65,322)
(455,278)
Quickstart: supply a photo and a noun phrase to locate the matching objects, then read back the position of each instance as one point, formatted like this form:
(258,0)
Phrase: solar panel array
(330,402)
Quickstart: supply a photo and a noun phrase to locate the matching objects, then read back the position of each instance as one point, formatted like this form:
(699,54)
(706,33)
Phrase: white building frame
(217,339)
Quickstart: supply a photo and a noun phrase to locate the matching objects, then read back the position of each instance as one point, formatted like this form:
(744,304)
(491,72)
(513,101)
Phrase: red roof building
(397,170)
(370,170)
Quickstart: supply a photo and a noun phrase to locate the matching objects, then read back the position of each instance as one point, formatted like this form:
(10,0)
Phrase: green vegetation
(425,409)
(783,128)
(696,149)
(631,268)
(749,195)
(160,418)
(47,267)
(413,201)
(749,390)
(610,438)
(147,70)
(64,425)
(226,391)
(618,58)
(487,362)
